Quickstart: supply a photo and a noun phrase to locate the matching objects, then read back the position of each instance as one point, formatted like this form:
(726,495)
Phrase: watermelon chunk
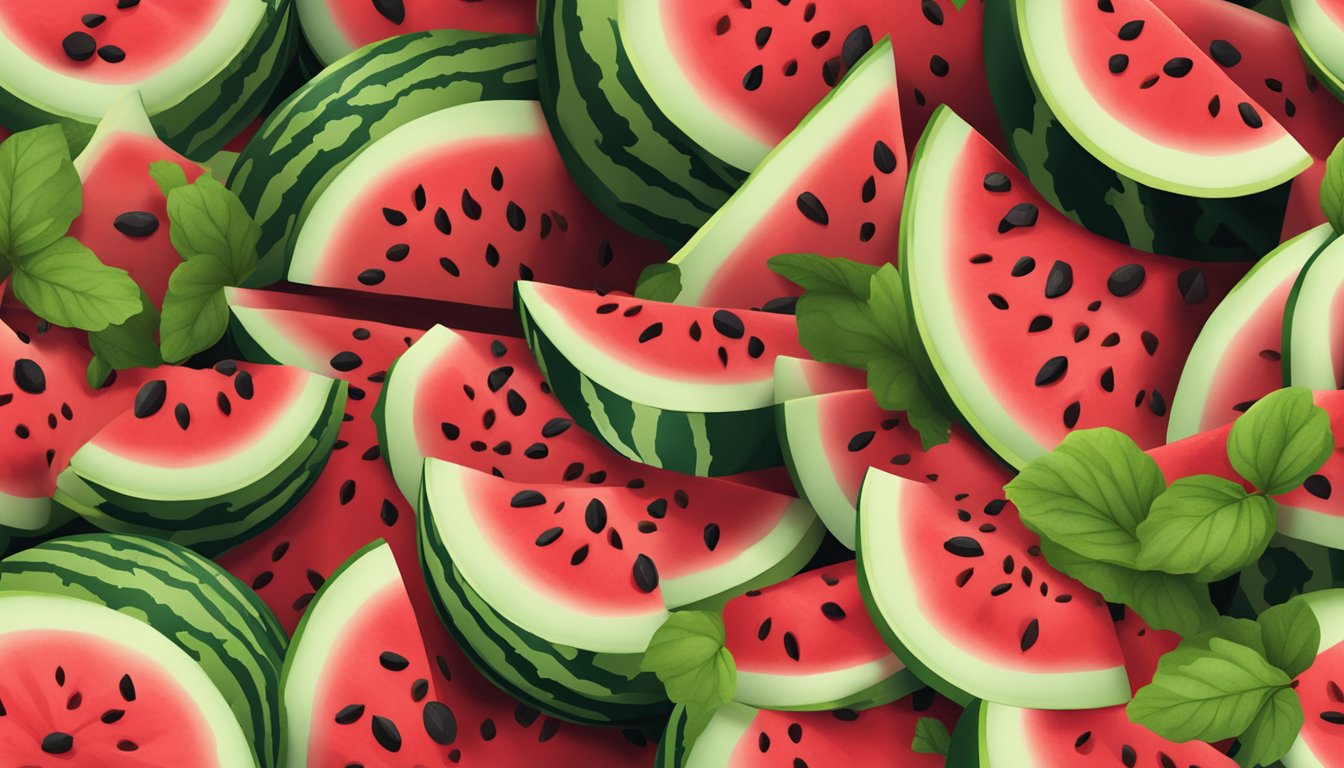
(797,377)
(1313,356)
(334,28)
(1320,742)
(1008,308)
(1316,24)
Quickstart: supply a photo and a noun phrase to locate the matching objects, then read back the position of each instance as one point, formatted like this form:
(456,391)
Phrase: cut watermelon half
(1319,28)
(1321,741)
(196,68)
(684,388)
(334,28)
(807,643)
(740,736)
(960,590)
(1237,358)
(1313,352)
(456,206)
(1010,299)
(797,377)
(557,589)
(833,187)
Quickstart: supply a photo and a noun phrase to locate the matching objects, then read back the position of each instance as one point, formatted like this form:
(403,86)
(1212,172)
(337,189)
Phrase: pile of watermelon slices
(516,393)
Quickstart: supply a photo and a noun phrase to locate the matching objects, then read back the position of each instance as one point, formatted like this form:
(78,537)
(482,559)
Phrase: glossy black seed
(1225,53)
(651,333)
(1125,280)
(112,715)
(1150,342)
(150,398)
(595,516)
(523,499)
(182,415)
(1111,340)
(858,42)
(762,34)
(1157,404)
(517,405)
(470,207)
(645,574)
(998,182)
(92,20)
(869,189)
(388,513)
(57,743)
(1333,717)
(938,66)
(998,301)
(1193,285)
(711,536)
(1021,215)
(112,54)
(820,39)
(791,646)
(1040,323)
(29,376)
(79,46)
(499,377)
(1108,380)
(861,441)
(579,555)
(1128,756)
(832,611)
(1249,115)
(549,536)
(1071,414)
(449,266)
(136,223)
(763,742)
(883,157)
(1130,30)
(752,80)
(1118,63)
(385,733)
(1178,67)
(392,10)
(763,631)
(439,722)
(1030,635)
(729,324)
(1060,280)
(126,687)
(811,207)
(1215,106)
(556,427)
(346,361)
(394,662)
(371,277)
(516,217)
(1080,333)
(1023,267)
(1052,371)
(657,508)
(1318,486)
(933,12)
(963,546)
(350,714)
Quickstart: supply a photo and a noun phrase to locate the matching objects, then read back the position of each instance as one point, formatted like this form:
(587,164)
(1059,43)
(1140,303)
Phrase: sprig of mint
(931,737)
(55,276)
(858,315)
(688,655)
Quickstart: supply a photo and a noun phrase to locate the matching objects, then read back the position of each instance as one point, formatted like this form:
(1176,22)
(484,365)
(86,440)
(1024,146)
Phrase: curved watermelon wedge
(1036,326)
(1313,353)
(1317,26)
(684,388)
(797,377)
(1237,358)
(960,590)
(334,28)
(557,589)
(1321,742)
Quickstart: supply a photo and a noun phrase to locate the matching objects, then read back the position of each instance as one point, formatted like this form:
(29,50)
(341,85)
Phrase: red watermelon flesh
(1142,646)
(1321,689)
(1304,202)
(1106,737)
(801,377)
(336,27)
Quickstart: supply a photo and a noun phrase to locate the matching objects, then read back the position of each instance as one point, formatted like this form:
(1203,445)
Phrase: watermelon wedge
(683,388)
(1007,308)
(797,377)
(1317,25)
(1237,358)
(1320,742)
(960,590)
(1313,354)
(334,28)
(833,186)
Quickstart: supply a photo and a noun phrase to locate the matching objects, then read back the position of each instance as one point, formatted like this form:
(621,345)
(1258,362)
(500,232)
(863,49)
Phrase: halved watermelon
(807,643)
(802,377)
(204,71)
(1320,744)
(1237,358)
(1011,297)
(960,590)
(1317,25)
(683,388)
(1313,352)
(833,186)
(1124,123)
(740,736)
(557,589)
(334,28)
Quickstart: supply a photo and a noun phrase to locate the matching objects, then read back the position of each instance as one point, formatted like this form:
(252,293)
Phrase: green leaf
(130,344)
(1209,694)
(931,737)
(40,192)
(168,175)
(1206,526)
(821,274)
(839,328)
(195,313)
(687,654)
(1280,441)
(897,386)
(208,220)
(97,372)
(1241,631)
(1273,731)
(659,282)
(1090,494)
(65,284)
(1292,636)
(1332,189)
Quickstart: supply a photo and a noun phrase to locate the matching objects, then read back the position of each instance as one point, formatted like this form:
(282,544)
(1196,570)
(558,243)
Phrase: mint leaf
(821,274)
(688,655)
(1241,631)
(1209,694)
(904,378)
(659,282)
(1089,494)
(839,328)
(1332,189)
(208,220)
(1292,636)
(1273,731)
(195,313)
(167,175)
(65,284)
(1206,526)
(1280,441)
(40,192)
(931,737)
(97,372)
(897,386)
(130,344)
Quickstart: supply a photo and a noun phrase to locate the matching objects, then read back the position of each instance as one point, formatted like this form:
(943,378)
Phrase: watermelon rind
(209,614)
(197,104)
(1229,319)
(395,413)
(25,612)
(942,662)
(356,101)
(126,114)
(1312,346)
(637,165)
(810,466)
(1321,39)
(797,377)
(1328,607)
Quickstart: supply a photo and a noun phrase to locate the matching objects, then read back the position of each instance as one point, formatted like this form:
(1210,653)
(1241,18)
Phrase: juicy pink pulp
(1075,738)
(1323,701)
(361,23)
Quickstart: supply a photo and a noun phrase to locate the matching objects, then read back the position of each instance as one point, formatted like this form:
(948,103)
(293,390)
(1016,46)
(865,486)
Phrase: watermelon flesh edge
(1316,24)
(1313,356)
(334,28)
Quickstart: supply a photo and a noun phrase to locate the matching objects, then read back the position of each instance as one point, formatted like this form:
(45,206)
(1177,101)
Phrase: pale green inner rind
(714,747)
(811,467)
(876,682)
(1320,37)
(125,115)
(263,327)
(1044,40)
(24,514)
(1311,526)
(1313,343)
(397,406)
(1003,737)
(324,35)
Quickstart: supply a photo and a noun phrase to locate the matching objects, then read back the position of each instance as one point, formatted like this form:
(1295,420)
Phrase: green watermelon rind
(1239,228)
(1320,40)
(319,129)
(213,524)
(1310,338)
(205,119)
(633,162)
(207,612)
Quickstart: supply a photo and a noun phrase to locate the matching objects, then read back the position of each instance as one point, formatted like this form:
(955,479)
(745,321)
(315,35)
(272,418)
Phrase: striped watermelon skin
(640,170)
(199,606)
(315,133)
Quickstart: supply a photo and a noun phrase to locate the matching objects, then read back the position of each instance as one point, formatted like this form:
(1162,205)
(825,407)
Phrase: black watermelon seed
(657,509)
(136,223)
(550,727)
(1333,717)
(790,67)
(998,301)
(1225,53)
(867,230)
(79,46)
(651,333)
(1178,67)
(963,546)
(525,715)
(1060,280)
(755,347)
(499,377)
(182,415)
(392,10)
(932,12)
(1157,404)
(812,208)
(1289,108)
(784,305)
(22,432)
(1118,63)
(861,441)
(1125,280)
(350,713)
(1030,635)
(681,498)
(938,66)
(1071,414)
(1052,371)
(1150,342)
(470,207)
(632,311)
(832,611)
(795,732)
(762,34)
(1111,340)
(346,361)
(488,730)
(419,689)
(869,189)
(858,42)
(315,579)
(729,324)
(388,513)
(694,330)
(1021,215)
(57,743)
(711,536)
(1000,589)
(418,198)
(763,631)
(1318,486)
(981,258)
(1040,323)
(112,715)
(1249,116)
(1274,85)
(112,54)
(605,254)
(394,217)
(524,499)
(763,742)
(386,734)
(1108,380)
(440,724)
(556,427)
(517,405)
(516,217)
(820,39)
(126,687)
(264,578)
(1193,285)
(29,376)
(1128,756)
(393,662)
(149,399)
(92,20)
(595,516)
(371,277)
(579,555)
(1024,266)
(1149,83)
(549,536)
(1082,739)
(449,266)
(450,430)
(752,80)
(1215,106)
(1080,333)
(998,182)
(883,158)
(1105,6)
(398,252)
(645,573)
(442,222)
(1131,30)
(791,646)
(1165,760)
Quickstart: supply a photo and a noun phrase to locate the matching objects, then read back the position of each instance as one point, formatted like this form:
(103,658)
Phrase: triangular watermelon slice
(1036,326)
(1321,740)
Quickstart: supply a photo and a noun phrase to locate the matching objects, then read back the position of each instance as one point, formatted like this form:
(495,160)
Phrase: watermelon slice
(984,615)
(334,28)
(1123,122)
(684,388)
(206,458)
(976,282)
(807,643)
(1320,742)
(197,68)
(1237,358)
(1317,26)
(1313,354)
(797,377)
(833,187)
(740,736)
(508,561)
